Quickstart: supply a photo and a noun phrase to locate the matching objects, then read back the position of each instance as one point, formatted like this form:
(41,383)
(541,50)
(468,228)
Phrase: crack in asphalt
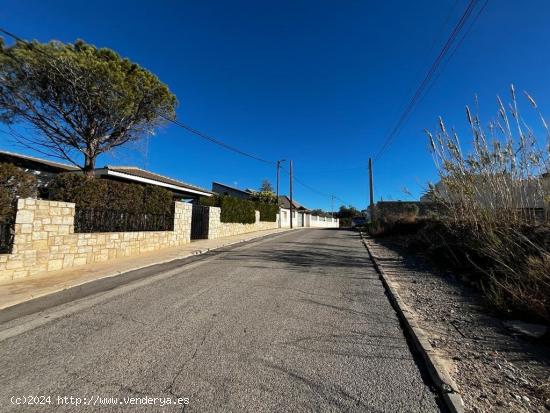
(181,369)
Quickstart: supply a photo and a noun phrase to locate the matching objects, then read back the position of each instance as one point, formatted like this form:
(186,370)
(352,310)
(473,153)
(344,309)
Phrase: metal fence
(106,220)
(6,237)
(199,222)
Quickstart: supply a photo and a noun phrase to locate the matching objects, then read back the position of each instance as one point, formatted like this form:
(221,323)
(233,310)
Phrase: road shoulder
(493,369)
(435,365)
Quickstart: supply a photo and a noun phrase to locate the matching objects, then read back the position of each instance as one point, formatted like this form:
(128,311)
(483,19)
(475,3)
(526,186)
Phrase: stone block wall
(218,229)
(45,239)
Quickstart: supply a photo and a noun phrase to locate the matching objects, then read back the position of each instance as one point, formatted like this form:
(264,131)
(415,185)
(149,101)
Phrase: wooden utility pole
(291,204)
(372,213)
(332,205)
(278,167)
(277,196)
(278,172)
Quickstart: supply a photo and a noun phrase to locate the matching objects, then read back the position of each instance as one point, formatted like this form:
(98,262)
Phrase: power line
(216,141)
(171,120)
(449,58)
(315,190)
(196,131)
(409,109)
(352,168)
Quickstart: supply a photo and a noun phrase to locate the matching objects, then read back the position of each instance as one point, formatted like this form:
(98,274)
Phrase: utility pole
(372,213)
(278,169)
(291,204)
(332,205)
(277,199)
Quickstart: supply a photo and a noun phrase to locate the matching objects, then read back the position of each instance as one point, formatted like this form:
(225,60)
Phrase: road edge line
(439,375)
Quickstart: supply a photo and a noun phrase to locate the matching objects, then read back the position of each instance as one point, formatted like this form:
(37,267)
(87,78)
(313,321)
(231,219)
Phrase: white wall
(309,221)
(323,222)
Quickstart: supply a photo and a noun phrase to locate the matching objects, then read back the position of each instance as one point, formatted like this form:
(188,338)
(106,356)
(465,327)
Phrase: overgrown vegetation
(495,200)
(104,194)
(346,214)
(14,183)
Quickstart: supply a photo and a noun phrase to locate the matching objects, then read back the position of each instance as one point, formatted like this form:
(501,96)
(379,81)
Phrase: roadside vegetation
(491,220)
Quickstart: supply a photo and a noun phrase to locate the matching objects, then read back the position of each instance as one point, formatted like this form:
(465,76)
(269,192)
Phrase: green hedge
(237,210)
(212,201)
(14,183)
(268,212)
(241,210)
(107,194)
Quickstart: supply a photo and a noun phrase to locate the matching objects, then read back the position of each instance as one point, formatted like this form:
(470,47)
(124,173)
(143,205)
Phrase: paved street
(295,323)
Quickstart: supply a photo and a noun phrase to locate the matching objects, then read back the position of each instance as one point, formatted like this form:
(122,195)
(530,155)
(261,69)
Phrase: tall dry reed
(497,196)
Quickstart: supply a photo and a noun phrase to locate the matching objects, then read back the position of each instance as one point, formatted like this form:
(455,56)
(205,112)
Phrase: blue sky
(319,82)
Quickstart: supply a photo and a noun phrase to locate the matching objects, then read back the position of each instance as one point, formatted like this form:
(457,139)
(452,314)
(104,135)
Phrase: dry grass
(494,197)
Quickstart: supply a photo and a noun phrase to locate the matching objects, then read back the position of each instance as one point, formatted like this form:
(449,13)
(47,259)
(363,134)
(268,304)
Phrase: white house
(302,217)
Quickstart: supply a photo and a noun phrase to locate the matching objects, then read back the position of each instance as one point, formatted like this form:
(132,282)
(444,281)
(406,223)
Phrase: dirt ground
(495,369)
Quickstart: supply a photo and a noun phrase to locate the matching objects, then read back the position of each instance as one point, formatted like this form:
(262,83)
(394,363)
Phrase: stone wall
(218,229)
(45,239)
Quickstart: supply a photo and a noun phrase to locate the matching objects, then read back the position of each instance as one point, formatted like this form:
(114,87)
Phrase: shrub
(240,210)
(264,197)
(157,200)
(268,212)
(237,210)
(212,201)
(14,183)
(102,194)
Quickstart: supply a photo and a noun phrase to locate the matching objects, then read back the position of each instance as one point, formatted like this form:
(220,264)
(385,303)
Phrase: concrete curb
(111,281)
(445,385)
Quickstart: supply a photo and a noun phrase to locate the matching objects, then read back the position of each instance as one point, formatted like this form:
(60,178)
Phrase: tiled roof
(284,202)
(244,191)
(142,173)
(51,164)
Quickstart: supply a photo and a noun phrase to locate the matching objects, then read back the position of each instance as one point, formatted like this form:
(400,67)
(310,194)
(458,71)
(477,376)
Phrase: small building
(133,174)
(298,212)
(302,217)
(46,170)
(223,189)
(43,169)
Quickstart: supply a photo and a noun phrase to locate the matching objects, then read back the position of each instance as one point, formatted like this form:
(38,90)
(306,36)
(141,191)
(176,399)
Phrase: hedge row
(104,194)
(268,212)
(14,183)
(241,210)
(237,210)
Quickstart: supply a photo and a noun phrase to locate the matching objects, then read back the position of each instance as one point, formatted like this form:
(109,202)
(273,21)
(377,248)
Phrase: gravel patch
(495,369)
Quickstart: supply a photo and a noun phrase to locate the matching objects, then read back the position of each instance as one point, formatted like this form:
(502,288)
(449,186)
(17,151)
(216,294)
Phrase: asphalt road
(294,323)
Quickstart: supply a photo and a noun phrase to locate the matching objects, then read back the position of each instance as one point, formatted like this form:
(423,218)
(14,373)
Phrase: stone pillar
(43,238)
(182,222)
(214,222)
(257,216)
